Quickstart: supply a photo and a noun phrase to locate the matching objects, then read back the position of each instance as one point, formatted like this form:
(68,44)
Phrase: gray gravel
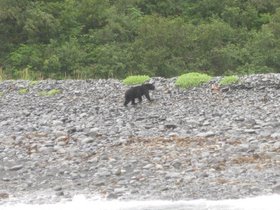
(186,144)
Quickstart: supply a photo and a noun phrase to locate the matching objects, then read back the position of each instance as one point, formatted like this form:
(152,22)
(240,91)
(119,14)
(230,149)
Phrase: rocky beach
(62,138)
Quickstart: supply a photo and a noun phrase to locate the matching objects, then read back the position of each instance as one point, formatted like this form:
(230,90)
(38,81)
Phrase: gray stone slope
(186,144)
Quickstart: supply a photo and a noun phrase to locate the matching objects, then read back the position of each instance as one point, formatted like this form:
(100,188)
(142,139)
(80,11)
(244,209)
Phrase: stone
(4,195)
(16,168)
(170,126)
(87,140)
(250,131)
(148,166)
(276,188)
(275,135)
(57,188)
(94,132)
(59,193)
(172,175)
(177,164)
(206,134)
(112,196)
(118,172)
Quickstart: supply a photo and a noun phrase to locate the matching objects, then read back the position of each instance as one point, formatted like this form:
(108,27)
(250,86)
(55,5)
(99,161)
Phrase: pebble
(275,135)
(4,195)
(148,166)
(16,168)
(276,188)
(87,140)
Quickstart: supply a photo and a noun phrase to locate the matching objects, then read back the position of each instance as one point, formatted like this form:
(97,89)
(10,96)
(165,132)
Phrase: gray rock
(148,166)
(4,195)
(206,134)
(275,135)
(87,140)
(172,175)
(250,131)
(276,188)
(16,168)
(58,188)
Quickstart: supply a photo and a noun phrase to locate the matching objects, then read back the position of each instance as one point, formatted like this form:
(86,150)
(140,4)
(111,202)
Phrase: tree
(116,38)
(93,14)
(39,25)
(12,14)
(163,46)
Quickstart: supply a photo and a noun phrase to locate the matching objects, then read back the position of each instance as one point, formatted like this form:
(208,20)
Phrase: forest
(83,39)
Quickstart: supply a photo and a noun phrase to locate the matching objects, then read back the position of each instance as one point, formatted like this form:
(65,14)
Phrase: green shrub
(137,79)
(228,80)
(50,93)
(33,83)
(25,57)
(192,79)
(23,91)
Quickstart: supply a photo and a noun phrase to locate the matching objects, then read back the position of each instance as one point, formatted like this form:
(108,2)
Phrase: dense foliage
(118,38)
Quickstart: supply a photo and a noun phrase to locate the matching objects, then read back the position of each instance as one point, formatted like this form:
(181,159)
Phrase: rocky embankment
(186,144)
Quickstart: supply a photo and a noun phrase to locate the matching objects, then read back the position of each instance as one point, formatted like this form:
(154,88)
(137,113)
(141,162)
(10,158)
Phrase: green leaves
(111,61)
(40,26)
(117,38)
(163,46)
(92,13)
(26,56)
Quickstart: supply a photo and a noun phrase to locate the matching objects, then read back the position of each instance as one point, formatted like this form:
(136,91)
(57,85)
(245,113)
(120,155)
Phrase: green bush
(50,93)
(33,82)
(192,79)
(228,80)
(26,56)
(137,79)
(23,91)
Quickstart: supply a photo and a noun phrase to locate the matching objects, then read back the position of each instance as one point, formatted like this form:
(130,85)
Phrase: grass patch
(137,79)
(192,79)
(23,91)
(34,82)
(50,93)
(1,93)
(28,74)
(2,76)
(228,80)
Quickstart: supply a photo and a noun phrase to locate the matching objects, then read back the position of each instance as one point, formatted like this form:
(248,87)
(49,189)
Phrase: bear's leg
(140,99)
(133,101)
(148,96)
(126,102)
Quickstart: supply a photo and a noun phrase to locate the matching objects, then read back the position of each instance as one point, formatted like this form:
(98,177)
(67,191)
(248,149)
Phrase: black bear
(137,92)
